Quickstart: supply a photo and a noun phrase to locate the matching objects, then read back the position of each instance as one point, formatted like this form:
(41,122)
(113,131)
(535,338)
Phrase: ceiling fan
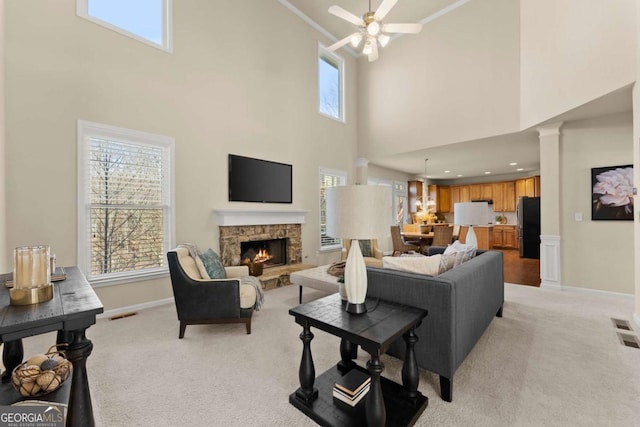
(371,30)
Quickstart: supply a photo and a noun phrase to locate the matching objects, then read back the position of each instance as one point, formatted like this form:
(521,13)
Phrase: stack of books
(351,388)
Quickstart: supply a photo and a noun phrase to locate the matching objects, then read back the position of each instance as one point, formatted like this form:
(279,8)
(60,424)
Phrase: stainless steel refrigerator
(529,227)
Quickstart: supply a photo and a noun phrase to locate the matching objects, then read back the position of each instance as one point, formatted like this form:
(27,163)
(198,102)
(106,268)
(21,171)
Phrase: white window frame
(87,130)
(338,61)
(402,192)
(82,10)
(342,176)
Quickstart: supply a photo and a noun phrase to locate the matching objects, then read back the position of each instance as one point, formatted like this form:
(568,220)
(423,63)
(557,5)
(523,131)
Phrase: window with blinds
(126,207)
(328,178)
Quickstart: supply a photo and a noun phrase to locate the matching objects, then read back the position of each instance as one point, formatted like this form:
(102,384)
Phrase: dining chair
(442,235)
(399,245)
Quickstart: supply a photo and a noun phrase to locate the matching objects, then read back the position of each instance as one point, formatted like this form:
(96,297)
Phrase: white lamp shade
(471,213)
(358,211)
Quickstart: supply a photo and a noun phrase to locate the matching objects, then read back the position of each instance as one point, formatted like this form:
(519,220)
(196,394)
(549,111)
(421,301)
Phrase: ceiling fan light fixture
(355,40)
(368,48)
(383,39)
(373,28)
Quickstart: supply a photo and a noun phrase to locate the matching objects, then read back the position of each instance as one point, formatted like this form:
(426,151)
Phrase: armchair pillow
(429,265)
(213,265)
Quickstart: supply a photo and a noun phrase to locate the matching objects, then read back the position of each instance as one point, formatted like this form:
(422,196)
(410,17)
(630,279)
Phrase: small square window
(148,21)
(330,84)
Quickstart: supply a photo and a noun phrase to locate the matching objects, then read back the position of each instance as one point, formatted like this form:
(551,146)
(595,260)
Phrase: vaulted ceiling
(471,158)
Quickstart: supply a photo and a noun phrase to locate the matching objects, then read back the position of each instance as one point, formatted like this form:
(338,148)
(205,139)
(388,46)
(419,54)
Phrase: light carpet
(554,359)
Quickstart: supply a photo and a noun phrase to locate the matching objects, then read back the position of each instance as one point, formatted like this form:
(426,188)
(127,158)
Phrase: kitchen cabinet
(484,235)
(487,191)
(464,194)
(442,197)
(504,236)
(415,194)
(529,187)
(504,197)
(454,193)
(475,192)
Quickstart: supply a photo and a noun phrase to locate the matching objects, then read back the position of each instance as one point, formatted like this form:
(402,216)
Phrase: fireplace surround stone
(231,236)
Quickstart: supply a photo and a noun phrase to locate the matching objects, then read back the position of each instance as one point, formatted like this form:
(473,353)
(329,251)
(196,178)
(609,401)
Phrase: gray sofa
(461,304)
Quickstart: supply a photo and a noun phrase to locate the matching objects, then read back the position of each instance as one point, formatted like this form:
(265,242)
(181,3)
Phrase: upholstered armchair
(372,255)
(203,301)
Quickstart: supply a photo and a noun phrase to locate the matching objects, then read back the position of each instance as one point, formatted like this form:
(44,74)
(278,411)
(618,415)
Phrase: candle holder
(31,275)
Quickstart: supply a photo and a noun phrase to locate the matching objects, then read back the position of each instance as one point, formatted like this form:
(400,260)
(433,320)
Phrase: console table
(387,403)
(71,312)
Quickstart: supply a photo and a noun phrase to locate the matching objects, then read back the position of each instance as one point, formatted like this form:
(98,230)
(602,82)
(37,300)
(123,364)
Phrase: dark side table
(71,312)
(387,403)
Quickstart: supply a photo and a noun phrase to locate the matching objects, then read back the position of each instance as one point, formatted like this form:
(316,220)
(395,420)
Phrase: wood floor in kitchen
(522,271)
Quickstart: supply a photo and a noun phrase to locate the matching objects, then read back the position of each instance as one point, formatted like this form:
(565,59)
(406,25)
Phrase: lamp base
(356,308)
(31,295)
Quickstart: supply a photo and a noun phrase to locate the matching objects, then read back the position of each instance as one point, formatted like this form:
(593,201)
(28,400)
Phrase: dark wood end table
(71,312)
(387,403)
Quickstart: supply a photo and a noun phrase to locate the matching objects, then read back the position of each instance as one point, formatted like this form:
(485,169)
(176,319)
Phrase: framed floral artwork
(612,193)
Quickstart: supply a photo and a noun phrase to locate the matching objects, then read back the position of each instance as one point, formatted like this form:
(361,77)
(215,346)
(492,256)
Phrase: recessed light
(513,164)
(447,171)
(459,175)
(487,173)
(520,169)
(428,176)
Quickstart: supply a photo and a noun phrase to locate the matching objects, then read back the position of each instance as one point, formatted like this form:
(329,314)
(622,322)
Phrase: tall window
(148,21)
(125,206)
(330,84)
(400,202)
(328,178)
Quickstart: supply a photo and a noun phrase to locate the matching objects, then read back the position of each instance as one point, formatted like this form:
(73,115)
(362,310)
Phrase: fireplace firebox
(270,252)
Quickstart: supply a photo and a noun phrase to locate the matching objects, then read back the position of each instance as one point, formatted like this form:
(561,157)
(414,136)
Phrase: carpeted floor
(554,359)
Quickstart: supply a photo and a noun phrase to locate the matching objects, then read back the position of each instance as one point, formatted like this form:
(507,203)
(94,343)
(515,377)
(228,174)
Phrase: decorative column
(550,265)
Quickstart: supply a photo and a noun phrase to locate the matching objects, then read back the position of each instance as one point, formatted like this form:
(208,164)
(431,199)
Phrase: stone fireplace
(270,253)
(231,238)
(243,233)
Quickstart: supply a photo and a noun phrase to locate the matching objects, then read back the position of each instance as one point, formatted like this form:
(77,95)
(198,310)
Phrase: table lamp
(357,212)
(470,214)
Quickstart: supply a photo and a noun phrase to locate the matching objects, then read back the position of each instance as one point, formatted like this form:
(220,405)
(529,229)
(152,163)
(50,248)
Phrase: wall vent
(629,340)
(122,316)
(621,324)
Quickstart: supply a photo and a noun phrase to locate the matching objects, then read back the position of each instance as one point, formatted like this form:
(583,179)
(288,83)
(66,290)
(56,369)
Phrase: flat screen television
(255,180)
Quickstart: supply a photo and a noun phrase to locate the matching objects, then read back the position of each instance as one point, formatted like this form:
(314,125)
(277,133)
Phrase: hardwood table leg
(375,410)
(410,373)
(12,355)
(307,372)
(348,352)
(80,409)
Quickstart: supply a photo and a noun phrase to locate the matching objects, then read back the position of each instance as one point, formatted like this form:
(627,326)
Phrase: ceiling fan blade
(347,16)
(402,28)
(374,51)
(337,45)
(384,8)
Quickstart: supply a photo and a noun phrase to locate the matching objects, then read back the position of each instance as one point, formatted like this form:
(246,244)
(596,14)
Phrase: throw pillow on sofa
(462,252)
(213,265)
(429,265)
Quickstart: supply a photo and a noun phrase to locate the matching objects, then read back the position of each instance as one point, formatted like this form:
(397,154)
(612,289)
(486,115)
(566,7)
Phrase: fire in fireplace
(270,252)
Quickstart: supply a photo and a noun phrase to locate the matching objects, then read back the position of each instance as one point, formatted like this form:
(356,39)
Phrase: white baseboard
(595,292)
(135,307)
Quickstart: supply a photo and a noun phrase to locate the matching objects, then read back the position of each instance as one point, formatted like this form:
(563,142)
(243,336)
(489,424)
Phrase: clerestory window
(149,21)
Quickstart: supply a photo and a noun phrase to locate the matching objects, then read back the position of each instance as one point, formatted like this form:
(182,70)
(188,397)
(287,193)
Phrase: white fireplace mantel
(231,217)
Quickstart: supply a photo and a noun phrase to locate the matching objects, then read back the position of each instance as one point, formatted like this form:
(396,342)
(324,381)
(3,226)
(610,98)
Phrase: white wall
(457,80)
(595,254)
(5,265)
(242,79)
(571,52)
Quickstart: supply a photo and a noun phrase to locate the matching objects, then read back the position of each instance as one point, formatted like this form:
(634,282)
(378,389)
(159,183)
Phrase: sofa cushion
(187,263)
(462,252)
(213,265)
(429,265)
(247,295)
